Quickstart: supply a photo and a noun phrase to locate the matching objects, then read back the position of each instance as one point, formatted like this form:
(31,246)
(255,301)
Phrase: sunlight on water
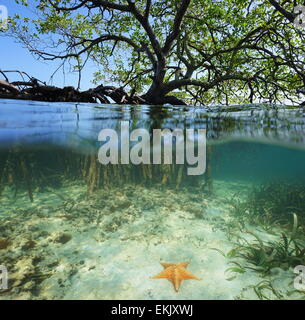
(72,228)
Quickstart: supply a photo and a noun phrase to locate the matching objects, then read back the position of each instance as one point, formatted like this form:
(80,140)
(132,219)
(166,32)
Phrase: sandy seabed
(67,246)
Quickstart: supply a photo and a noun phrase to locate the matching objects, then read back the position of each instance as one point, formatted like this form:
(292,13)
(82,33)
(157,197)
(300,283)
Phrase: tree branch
(66,8)
(176,26)
(147,9)
(110,5)
(176,84)
(102,38)
(146,26)
(290,16)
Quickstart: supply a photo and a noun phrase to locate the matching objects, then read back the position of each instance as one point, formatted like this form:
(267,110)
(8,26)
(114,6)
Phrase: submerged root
(16,171)
(27,177)
(22,170)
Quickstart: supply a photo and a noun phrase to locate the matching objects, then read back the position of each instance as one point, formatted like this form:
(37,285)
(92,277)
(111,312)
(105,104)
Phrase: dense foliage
(205,51)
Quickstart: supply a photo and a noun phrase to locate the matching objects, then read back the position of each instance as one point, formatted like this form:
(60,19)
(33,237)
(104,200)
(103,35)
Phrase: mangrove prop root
(27,177)
(33,171)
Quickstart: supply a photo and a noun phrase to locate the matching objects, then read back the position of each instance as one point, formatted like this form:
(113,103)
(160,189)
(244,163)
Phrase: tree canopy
(201,51)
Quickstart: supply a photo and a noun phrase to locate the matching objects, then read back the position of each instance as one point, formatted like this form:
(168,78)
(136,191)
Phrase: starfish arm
(176,282)
(175,273)
(162,275)
(188,275)
(183,264)
(166,265)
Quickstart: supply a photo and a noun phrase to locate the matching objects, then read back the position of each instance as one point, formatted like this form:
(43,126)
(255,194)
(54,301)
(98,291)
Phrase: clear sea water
(72,228)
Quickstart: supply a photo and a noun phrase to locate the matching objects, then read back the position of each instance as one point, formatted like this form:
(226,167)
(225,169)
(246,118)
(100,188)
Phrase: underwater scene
(72,227)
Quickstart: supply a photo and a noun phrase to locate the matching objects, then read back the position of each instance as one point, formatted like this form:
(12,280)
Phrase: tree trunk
(156,95)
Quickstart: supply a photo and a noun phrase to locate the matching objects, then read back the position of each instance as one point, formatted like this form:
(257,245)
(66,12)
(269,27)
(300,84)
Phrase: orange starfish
(175,273)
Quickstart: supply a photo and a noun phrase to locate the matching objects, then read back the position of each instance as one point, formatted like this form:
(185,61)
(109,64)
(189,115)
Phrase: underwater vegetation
(287,251)
(269,258)
(276,212)
(271,203)
(269,206)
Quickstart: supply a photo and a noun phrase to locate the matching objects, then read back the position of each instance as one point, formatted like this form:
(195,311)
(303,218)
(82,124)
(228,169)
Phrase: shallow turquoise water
(258,162)
(72,228)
